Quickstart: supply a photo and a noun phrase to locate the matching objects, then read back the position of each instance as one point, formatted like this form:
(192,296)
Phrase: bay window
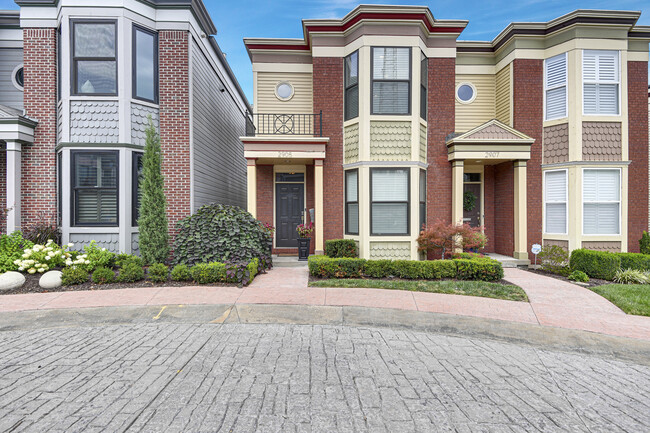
(351,86)
(145,64)
(555,201)
(601,201)
(555,87)
(352,202)
(423,199)
(95,188)
(391,80)
(601,80)
(389,201)
(424,85)
(94,60)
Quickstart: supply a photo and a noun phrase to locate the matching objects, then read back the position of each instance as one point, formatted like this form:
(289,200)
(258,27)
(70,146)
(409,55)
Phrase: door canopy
(490,143)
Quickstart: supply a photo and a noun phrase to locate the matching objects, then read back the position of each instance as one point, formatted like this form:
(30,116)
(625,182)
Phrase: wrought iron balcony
(284,124)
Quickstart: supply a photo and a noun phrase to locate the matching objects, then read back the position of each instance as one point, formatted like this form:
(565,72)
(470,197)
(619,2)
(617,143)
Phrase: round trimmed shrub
(73,275)
(130,273)
(158,272)
(221,233)
(181,273)
(103,275)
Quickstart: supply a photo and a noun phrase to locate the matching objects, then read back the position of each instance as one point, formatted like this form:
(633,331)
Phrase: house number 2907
(491,154)
(284,154)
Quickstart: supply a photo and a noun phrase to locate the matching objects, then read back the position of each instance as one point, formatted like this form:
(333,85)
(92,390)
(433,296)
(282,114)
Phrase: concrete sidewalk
(553,303)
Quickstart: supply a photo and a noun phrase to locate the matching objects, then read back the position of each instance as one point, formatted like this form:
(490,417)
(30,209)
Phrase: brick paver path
(295,378)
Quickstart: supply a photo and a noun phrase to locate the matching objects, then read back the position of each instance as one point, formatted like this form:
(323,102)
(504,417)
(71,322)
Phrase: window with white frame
(389,202)
(555,87)
(601,81)
(555,201)
(352,202)
(601,201)
(391,80)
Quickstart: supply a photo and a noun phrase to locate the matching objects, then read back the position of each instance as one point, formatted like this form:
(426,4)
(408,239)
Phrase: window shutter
(351,185)
(601,196)
(391,63)
(556,71)
(601,78)
(389,185)
(555,196)
(555,81)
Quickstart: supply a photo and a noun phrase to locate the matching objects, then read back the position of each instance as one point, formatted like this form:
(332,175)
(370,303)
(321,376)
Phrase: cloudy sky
(236,19)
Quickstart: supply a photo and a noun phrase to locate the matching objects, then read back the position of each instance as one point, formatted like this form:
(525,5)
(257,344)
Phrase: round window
(466,93)
(284,91)
(18,77)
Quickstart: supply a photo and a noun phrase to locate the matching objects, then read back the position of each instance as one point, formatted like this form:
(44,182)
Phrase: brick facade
(39,159)
(504,209)
(265,194)
(489,223)
(328,97)
(175,122)
(637,103)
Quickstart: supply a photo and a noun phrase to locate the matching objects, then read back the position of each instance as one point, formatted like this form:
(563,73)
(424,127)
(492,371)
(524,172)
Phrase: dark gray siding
(219,164)
(9,94)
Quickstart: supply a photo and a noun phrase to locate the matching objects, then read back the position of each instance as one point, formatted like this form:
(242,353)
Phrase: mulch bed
(591,283)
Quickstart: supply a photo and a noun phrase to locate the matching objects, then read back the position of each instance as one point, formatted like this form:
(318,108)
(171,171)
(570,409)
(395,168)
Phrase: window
(389,202)
(465,93)
(555,87)
(136,195)
(145,64)
(423,199)
(94,188)
(391,80)
(601,201)
(18,77)
(284,91)
(424,85)
(94,64)
(555,201)
(600,78)
(351,86)
(352,202)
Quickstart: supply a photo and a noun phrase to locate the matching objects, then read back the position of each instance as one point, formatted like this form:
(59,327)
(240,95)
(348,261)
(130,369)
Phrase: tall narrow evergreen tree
(154,237)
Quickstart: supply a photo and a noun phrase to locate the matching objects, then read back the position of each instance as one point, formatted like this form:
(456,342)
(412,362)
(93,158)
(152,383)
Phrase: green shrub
(103,275)
(554,259)
(631,276)
(122,259)
(326,267)
(12,248)
(44,229)
(596,264)
(578,276)
(181,273)
(130,273)
(241,273)
(634,261)
(644,243)
(445,269)
(98,257)
(253,268)
(221,233)
(484,269)
(337,248)
(158,272)
(378,268)
(74,275)
(208,273)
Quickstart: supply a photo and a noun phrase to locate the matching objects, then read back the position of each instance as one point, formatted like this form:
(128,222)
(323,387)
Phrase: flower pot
(303,249)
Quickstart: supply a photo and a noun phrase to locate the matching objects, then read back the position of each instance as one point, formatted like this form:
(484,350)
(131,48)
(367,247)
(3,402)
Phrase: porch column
(318,204)
(251,182)
(521,227)
(13,186)
(457,168)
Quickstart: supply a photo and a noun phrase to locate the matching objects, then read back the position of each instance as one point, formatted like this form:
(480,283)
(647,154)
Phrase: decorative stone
(50,280)
(11,280)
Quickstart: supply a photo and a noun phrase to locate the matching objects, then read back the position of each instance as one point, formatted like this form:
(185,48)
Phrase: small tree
(154,237)
(444,237)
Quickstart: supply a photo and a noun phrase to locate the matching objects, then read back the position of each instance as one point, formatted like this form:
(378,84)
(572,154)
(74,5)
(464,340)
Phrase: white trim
(620,200)
(565,85)
(566,202)
(13,78)
(466,83)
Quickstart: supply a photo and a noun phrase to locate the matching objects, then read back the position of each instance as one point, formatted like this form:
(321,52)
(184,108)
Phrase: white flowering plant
(40,258)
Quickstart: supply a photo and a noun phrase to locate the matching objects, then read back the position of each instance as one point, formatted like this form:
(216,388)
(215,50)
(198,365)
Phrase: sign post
(536,248)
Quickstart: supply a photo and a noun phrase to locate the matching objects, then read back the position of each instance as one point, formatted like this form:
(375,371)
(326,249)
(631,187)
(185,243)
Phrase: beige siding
(480,110)
(351,143)
(300,103)
(502,96)
(390,141)
(423,143)
(390,250)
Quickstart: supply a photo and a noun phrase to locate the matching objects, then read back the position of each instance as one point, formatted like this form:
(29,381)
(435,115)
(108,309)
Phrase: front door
(289,209)
(472,204)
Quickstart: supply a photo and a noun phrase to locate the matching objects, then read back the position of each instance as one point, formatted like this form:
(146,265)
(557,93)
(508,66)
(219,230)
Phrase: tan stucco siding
(480,110)
(268,102)
(503,95)
(390,141)
(601,141)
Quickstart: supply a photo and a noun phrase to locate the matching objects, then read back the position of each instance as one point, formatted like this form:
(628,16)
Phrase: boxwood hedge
(596,264)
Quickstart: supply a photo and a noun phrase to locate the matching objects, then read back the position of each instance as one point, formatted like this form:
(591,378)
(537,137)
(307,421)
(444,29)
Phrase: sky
(237,19)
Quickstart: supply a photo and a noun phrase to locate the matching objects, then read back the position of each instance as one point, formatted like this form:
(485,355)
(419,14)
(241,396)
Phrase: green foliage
(103,275)
(154,238)
(596,264)
(326,267)
(73,275)
(98,257)
(122,259)
(445,268)
(208,273)
(554,259)
(241,273)
(336,248)
(631,298)
(484,269)
(12,248)
(41,258)
(634,261)
(158,272)
(578,276)
(130,273)
(631,276)
(644,243)
(221,233)
(181,273)
(378,268)
(42,230)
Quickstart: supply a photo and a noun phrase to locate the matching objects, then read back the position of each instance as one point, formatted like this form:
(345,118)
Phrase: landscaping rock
(50,280)
(11,280)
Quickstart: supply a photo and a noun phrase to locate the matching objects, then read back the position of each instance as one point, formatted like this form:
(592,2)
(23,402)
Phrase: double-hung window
(601,201)
(555,87)
(145,64)
(352,86)
(555,201)
(136,193)
(424,85)
(95,188)
(601,82)
(389,201)
(423,199)
(352,202)
(94,60)
(391,80)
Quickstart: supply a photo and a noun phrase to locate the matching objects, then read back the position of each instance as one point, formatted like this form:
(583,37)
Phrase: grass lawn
(631,298)
(452,287)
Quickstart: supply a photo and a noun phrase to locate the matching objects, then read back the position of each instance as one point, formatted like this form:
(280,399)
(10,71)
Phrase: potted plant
(304,239)
(271,232)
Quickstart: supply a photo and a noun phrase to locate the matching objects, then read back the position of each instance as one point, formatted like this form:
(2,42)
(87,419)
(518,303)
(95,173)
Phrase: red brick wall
(265,194)
(637,217)
(175,123)
(3,188)
(39,159)
(488,210)
(528,115)
(504,209)
(328,96)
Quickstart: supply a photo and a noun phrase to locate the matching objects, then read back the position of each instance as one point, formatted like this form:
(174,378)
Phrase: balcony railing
(284,124)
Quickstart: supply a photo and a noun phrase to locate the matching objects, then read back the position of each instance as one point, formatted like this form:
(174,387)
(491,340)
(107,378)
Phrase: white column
(457,171)
(521,227)
(251,184)
(318,205)
(13,186)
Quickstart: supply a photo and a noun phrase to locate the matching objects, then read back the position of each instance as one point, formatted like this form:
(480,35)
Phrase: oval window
(18,77)
(284,91)
(466,93)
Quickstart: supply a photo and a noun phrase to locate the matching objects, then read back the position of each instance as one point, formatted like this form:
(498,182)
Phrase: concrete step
(288,262)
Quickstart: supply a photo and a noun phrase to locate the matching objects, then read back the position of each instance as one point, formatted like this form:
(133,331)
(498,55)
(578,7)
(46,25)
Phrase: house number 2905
(491,154)
(284,154)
